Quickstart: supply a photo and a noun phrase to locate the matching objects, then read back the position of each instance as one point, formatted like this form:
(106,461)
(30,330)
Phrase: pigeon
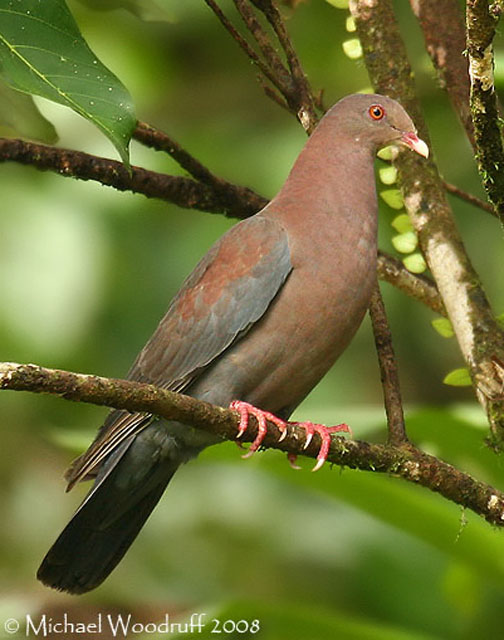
(256,325)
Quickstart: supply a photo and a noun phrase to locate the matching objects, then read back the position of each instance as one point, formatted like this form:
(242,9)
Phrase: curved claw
(292,457)
(320,464)
(245,410)
(249,453)
(236,405)
(325,435)
(310,429)
(282,436)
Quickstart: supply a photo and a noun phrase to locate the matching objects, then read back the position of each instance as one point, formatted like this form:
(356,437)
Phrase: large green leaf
(424,515)
(143,9)
(292,621)
(43,52)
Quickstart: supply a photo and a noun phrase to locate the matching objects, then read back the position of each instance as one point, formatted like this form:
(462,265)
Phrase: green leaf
(19,117)
(408,508)
(42,52)
(352,48)
(388,175)
(402,223)
(339,4)
(350,24)
(463,589)
(444,327)
(388,153)
(392,197)
(405,242)
(147,10)
(500,319)
(292,620)
(458,378)
(415,263)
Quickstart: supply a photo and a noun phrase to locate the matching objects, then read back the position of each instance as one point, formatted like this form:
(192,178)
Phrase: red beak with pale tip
(415,143)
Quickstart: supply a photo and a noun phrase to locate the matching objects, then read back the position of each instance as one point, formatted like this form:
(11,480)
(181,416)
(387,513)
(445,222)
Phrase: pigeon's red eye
(376,112)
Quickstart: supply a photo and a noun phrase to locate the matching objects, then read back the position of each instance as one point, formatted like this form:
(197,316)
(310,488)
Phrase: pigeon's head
(376,120)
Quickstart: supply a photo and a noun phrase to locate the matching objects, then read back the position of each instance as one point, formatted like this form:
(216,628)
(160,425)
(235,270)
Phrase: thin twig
(388,370)
(418,286)
(301,96)
(272,94)
(260,36)
(406,462)
(151,137)
(293,85)
(243,44)
(275,19)
(158,140)
(468,197)
(442,23)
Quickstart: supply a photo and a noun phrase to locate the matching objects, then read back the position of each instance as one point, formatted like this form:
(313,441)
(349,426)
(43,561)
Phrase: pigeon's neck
(329,179)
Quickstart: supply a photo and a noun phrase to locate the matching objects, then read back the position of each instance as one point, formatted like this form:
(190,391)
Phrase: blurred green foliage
(85,275)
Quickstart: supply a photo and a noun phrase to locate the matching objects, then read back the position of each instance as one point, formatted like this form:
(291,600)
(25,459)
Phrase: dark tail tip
(92,544)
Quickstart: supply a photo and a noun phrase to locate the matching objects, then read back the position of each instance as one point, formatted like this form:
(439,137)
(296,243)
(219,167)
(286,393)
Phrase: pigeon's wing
(229,290)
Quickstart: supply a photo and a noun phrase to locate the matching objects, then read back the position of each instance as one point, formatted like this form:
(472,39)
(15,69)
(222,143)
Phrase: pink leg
(245,410)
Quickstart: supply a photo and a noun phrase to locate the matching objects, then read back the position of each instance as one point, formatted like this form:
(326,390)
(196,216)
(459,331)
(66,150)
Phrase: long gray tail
(106,523)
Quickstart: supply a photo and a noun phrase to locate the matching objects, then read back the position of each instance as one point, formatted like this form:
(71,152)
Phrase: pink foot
(325,435)
(246,410)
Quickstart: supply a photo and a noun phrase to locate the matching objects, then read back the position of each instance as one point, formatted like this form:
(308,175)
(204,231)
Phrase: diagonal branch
(160,141)
(301,94)
(416,286)
(260,36)
(468,197)
(478,334)
(405,462)
(244,45)
(233,197)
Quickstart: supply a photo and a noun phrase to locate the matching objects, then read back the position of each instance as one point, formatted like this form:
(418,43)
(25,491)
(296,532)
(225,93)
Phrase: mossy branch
(481,20)
(402,461)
